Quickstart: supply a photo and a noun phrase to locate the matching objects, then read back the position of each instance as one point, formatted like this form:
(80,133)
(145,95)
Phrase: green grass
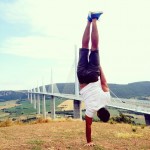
(36,144)
(26,109)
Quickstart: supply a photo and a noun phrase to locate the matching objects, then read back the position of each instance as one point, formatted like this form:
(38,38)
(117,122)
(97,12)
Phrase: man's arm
(103,81)
(88,122)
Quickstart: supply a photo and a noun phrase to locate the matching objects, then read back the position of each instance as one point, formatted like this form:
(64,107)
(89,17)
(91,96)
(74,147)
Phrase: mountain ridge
(139,90)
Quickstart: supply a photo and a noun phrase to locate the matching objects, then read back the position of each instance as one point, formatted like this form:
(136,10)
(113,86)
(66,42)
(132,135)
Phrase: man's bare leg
(86,36)
(94,35)
(85,43)
(95,46)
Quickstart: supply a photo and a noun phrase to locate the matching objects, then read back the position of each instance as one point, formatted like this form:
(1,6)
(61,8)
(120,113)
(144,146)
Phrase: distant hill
(136,89)
(139,90)
(12,95)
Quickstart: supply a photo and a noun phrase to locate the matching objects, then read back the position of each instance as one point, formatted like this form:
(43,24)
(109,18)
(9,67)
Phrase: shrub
(142,126)
(42,120)
(123,118)
(134,128)
(112,121)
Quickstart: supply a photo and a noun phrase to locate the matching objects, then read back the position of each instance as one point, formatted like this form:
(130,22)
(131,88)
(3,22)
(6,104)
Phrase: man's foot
(89,17)
(96,15)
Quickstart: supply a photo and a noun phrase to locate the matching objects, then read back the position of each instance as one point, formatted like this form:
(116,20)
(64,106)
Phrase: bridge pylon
(147,119)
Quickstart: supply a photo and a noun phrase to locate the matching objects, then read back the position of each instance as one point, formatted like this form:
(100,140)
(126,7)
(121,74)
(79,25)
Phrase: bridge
(35,95)
(139,106)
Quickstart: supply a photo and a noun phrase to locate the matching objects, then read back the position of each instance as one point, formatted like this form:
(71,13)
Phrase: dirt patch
(8,104)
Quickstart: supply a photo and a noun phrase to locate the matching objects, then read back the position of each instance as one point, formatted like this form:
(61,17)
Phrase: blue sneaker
(89,17)
(96,15)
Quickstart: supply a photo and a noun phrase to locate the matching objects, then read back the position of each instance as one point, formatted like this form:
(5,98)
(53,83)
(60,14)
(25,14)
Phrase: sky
(38,37)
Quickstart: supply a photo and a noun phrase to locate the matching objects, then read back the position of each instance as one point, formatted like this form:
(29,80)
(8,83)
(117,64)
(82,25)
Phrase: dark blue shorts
(88,66)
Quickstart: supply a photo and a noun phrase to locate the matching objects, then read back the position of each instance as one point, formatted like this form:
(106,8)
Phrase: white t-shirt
(94,98)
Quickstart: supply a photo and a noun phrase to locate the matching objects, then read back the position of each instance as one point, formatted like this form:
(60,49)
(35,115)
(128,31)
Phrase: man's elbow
(105,88)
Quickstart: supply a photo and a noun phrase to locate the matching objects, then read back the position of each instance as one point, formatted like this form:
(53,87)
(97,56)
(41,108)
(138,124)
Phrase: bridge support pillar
(53,108)
(28,96)
(147,119)
(31,99)
(44,107)
(77,109)
(34,104)
(38,104)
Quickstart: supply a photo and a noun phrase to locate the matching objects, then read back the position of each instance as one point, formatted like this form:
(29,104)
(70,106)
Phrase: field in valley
(23,109)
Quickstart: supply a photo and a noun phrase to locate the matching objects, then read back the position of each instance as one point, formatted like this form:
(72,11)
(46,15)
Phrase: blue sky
(36,36)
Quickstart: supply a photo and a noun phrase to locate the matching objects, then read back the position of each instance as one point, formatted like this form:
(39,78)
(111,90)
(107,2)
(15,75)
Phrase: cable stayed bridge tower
(38,100)
(77,103)
(53,98)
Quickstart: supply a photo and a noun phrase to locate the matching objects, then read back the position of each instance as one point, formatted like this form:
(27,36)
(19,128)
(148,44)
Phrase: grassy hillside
(138,89)
(70,135)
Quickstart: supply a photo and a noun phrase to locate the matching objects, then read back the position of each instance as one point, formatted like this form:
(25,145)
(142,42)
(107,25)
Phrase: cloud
(38,47)
(50,17)
(14,12)
(52,27)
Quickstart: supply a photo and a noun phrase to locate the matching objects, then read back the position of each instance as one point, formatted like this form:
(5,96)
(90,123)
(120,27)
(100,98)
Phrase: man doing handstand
(93,85)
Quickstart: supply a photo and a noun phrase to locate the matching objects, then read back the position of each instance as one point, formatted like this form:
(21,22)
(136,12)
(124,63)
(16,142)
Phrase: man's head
(103,114)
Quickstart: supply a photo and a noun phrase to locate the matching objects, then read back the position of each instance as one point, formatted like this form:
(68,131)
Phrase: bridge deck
(127,104)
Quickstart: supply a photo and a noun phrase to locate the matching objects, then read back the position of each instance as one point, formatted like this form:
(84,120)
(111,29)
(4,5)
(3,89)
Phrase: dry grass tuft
(127,135)
(6,123)
(18,122)
(41,120)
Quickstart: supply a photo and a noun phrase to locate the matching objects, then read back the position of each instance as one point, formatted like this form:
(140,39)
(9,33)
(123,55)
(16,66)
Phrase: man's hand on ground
(90,144)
